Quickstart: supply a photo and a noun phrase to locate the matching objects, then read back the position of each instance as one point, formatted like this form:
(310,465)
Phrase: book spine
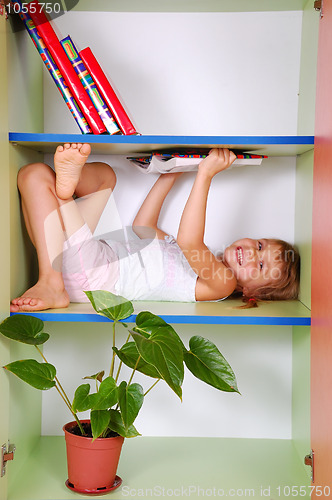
(55,73)
(107,91)
(51,41)
(89,85)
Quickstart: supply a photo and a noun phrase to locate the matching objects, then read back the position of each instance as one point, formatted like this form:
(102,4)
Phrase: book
(107,92)
(164,163)
(51,41)
(55,74)
(89,85)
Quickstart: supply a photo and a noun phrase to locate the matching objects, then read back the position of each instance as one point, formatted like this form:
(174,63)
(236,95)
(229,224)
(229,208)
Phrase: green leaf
(82,398)
(206,362)
(116,425)
(97,376)
(24,328)
(130,400)
(129,355)
(147,323)
(107,396)
(163,350)
(99,422)
(112,306)
(39,375)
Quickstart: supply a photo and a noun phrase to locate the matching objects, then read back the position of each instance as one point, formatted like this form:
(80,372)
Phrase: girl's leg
(46,217)
(145,224)
(36,183)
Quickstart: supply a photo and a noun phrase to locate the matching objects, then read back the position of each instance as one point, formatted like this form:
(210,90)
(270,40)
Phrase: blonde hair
(284,288)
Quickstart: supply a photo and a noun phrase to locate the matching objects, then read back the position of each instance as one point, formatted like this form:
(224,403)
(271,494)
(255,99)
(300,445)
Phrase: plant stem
(136,365)
(152,386)
(55,378)
(121,363)
(113,357)
(63,395)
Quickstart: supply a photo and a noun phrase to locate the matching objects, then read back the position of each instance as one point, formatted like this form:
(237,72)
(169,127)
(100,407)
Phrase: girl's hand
(218,160)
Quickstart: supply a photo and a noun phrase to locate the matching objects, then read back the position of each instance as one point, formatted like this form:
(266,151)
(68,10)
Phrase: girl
(155,266)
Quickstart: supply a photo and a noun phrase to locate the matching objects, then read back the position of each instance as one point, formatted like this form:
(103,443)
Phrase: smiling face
(255,263)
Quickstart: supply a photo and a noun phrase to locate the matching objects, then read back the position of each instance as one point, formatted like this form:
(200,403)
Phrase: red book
(107,91)
(52,43)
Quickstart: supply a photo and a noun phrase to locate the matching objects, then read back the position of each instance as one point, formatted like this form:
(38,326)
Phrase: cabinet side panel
(4,247)
(303,221)
(321,382)
(306,115)
(25,74)
(25,402)
(301,391)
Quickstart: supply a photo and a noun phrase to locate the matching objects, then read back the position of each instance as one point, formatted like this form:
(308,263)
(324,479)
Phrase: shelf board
(210,313)
(190,5)
(128,144)
(255,468)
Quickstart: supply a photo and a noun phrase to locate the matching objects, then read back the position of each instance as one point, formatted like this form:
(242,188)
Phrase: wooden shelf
(209,313)
(152,465)
(190,5)
(128,144)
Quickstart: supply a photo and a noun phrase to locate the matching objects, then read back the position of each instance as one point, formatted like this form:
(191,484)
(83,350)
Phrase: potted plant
(152,348)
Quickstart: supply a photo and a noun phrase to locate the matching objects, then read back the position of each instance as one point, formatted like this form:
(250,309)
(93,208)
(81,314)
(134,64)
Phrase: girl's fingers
(232,156)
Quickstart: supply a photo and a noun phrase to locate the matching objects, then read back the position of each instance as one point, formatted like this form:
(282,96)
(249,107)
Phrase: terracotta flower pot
(92,465)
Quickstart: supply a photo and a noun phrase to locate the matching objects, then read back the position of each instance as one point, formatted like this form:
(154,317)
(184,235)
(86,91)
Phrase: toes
(24,301)
(59,149)
(85,149)
(67,145)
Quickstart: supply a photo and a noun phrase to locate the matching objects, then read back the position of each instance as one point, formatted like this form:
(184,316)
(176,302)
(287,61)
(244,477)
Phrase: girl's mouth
(239,255)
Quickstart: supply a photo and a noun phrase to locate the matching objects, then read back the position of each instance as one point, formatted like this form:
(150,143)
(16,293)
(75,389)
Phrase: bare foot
(42,295)
(69,160)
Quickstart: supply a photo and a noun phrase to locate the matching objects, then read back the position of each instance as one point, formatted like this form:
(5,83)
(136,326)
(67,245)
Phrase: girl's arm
(145,224)
(215,279)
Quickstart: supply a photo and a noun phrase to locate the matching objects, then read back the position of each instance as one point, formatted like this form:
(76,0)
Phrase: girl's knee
(34,172)
(105,174)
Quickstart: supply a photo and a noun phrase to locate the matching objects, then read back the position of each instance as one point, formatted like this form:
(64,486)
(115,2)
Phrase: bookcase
(253,446)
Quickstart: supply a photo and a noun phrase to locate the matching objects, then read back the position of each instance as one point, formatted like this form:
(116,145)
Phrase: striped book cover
(51,41)
(55,73)
(89,85)
(161,162)
(107,92)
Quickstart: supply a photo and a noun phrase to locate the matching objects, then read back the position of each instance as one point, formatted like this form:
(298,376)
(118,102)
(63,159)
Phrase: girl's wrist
(203,173)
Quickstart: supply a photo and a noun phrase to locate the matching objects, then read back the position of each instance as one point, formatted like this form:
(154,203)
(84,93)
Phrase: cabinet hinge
(309,460)
(7,454)
(318,5)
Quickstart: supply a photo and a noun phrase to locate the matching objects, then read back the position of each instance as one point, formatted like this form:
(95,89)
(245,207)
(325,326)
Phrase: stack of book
(78,76)
(163,162)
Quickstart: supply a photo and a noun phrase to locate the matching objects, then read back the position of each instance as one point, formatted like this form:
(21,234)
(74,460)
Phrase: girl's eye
(259,246)
(261,265)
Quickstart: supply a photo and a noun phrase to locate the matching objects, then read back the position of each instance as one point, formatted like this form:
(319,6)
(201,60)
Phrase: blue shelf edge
(160,139)
(177,319)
